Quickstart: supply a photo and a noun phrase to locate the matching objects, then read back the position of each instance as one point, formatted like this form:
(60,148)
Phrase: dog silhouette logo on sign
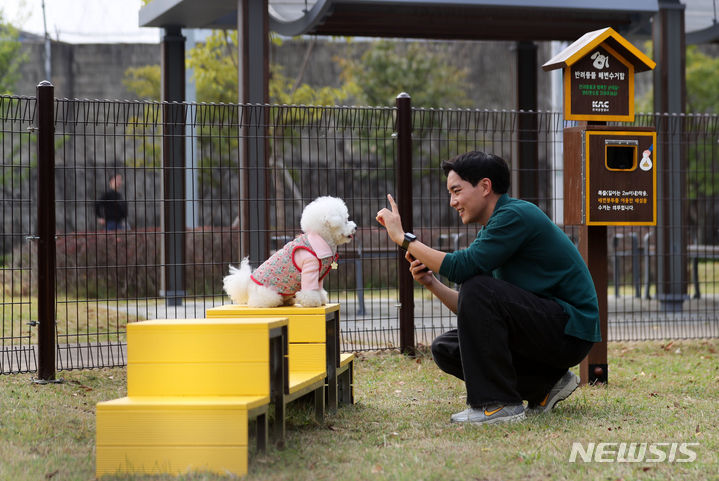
(600,60)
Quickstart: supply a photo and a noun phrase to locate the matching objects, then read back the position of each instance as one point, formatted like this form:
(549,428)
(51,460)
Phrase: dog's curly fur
(326,216)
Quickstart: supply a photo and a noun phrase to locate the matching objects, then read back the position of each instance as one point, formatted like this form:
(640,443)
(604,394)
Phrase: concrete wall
(491,65)
(95,71)
(92,71)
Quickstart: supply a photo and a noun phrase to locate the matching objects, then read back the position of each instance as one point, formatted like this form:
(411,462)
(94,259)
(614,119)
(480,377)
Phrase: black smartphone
(425,268)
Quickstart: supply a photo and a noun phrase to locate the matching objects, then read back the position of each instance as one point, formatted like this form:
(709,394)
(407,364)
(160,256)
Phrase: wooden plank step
(303,380)
(302,383)
(176,434)
(346,358)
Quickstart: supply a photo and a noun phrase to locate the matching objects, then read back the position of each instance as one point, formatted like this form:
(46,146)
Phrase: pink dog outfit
(301,264)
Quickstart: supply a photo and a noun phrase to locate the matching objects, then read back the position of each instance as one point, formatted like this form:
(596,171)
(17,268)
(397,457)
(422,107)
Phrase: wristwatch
(408,237)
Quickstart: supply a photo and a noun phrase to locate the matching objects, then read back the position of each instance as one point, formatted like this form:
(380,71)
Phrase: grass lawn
(399,427)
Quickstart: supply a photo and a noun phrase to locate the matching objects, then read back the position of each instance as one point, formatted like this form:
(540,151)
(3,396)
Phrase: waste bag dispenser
(610,175)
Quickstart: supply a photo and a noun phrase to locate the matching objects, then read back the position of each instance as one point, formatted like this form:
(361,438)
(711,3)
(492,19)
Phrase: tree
(143,81)
(702,83)
(702,151)
(384,70)
(389,67)
(215,70)
(214,65)
(11,57)
(702,80)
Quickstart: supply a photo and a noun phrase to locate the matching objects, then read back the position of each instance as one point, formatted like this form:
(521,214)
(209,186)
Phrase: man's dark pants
(509,344)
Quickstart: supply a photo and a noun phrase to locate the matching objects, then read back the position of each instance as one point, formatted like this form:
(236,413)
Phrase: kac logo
(633,452)
(600,105)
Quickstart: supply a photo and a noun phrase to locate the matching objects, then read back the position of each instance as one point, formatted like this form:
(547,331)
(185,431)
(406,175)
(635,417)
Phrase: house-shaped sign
(599,73)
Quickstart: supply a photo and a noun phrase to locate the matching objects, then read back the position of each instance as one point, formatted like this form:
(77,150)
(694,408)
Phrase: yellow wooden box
(307,331)
(306,324)
(199,357)
(174,434)
(307,357)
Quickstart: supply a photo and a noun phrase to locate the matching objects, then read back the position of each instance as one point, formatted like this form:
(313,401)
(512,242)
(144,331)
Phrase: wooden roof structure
(590,40)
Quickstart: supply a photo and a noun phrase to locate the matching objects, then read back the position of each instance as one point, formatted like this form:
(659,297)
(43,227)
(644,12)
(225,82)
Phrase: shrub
(126,264)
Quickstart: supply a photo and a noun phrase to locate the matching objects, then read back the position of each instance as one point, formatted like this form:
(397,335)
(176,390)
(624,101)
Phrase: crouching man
(526,309)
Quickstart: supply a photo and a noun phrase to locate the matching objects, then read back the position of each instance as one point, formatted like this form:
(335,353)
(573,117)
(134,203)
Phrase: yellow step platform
(313,335)
(301,382)
(308,331)
(200,357)
(306,324)
(346,359)
(176,434)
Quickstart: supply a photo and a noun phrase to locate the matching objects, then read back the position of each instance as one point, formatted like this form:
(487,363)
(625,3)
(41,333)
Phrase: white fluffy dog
(295,272)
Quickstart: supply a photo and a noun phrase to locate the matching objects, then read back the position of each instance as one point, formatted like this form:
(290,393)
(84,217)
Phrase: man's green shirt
(522,246)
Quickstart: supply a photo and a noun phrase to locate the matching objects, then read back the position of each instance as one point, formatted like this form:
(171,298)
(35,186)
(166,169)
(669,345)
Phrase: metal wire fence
(186,222)
(19,312)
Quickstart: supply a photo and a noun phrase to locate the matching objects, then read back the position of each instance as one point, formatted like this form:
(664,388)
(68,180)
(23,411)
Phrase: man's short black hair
(475,165)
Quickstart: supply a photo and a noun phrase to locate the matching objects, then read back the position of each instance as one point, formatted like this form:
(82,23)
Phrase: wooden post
(593,247)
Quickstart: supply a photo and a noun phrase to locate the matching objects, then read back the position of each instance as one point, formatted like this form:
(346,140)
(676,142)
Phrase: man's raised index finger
(392,203)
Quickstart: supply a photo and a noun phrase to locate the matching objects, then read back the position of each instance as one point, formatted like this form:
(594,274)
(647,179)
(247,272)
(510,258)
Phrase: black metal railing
(188,218)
